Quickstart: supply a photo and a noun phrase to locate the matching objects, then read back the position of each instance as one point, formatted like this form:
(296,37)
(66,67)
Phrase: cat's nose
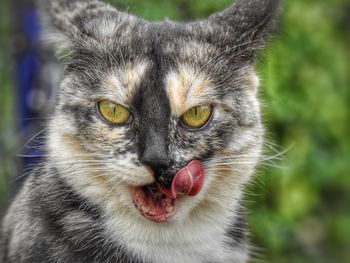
(154,152)
(155,159)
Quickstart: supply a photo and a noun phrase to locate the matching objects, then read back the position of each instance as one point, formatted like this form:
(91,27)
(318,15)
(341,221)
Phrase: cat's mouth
(158,203)
(152,203)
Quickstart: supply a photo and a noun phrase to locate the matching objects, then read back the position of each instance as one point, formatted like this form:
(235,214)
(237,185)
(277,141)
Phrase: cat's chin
(152,203)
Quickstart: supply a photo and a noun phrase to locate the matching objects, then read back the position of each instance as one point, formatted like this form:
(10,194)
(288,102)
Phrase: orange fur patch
(187,88)
(122,83)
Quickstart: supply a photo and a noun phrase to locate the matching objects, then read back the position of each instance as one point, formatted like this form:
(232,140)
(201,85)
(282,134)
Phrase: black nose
(154,151)
(155,159)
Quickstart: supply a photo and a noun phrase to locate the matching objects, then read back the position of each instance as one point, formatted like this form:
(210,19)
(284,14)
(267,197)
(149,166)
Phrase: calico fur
(75,206)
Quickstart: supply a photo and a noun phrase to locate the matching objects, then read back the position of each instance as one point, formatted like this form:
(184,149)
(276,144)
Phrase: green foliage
(7,135)
(306,91)
(300,212)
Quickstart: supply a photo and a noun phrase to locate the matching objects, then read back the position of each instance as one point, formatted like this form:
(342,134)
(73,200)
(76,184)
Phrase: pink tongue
(188,181)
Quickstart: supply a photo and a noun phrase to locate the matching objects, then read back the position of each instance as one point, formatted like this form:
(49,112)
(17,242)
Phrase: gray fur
(65,213)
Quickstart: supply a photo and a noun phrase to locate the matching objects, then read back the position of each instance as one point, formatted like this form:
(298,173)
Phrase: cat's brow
(122,83)
(187,88)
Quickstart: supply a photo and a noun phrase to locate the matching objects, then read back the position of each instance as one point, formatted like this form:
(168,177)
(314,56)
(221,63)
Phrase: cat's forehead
(178,66)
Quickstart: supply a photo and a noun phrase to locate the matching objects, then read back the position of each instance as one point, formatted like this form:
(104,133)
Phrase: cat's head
(140,100)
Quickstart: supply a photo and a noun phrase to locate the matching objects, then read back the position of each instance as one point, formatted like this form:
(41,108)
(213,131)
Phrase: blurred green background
(299,212)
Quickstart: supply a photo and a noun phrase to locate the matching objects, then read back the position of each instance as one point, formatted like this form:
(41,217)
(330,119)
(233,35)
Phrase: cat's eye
(197,117)
(113,113)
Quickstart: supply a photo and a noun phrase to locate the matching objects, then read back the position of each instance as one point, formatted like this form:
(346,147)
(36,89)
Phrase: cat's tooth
(169,209)
(146,209)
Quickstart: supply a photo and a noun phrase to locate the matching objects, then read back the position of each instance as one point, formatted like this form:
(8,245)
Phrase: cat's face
(139,101)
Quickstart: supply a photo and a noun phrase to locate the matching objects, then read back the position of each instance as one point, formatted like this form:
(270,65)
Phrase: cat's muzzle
(158,203)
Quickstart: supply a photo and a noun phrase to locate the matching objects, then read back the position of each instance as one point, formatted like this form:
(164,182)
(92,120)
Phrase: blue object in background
(29,67)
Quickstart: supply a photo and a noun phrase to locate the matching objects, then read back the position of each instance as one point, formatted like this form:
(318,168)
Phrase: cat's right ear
(71,23)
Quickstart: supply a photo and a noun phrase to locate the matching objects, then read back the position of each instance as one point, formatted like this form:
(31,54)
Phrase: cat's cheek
(62,124)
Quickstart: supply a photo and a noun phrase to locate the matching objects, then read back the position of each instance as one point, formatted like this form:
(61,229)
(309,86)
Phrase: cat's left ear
(246,22)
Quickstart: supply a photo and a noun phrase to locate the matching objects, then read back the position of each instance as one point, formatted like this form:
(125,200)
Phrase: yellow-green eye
(112,112)
(197,117)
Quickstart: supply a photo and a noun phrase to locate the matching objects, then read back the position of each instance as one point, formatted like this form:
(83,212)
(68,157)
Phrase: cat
(155,133)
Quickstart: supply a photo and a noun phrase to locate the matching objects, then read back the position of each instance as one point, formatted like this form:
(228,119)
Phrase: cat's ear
(67,23)
(247,22)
